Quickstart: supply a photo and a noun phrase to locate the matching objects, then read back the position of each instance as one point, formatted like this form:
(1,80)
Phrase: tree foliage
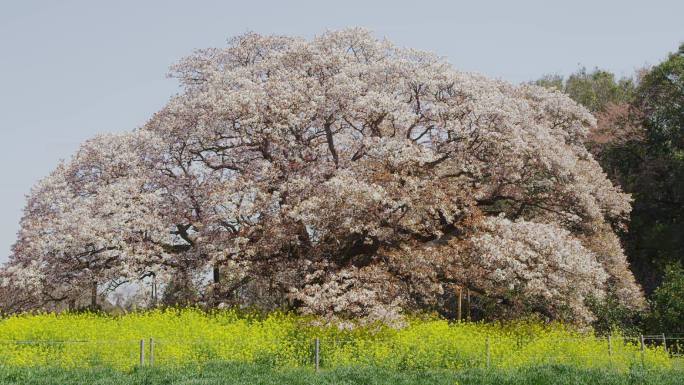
(657,178)
(341,176)
(667,302)
(595,90)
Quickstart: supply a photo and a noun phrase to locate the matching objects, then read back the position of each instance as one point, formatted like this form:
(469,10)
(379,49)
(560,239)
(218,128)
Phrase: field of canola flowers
(191,336)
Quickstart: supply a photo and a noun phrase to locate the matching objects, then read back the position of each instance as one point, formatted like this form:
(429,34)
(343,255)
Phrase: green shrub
(667,302)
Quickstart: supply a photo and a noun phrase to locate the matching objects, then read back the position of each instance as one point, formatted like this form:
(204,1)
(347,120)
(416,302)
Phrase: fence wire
(618,352)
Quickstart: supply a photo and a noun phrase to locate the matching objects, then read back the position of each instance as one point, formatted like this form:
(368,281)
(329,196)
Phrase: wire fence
(619,352)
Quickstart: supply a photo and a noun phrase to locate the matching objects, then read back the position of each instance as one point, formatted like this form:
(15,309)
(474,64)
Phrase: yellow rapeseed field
(188,336)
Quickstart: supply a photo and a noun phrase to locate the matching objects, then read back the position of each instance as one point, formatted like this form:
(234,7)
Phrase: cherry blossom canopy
(341,176)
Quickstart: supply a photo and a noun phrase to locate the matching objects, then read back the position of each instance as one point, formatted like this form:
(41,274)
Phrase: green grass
(255,374)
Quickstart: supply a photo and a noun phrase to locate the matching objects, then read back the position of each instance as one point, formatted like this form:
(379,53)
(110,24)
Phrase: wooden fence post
(151,351)
(642,349)
(317,354)
(142,352)
(664,343)
(610,345)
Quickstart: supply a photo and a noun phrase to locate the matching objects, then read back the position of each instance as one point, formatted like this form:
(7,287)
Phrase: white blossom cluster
(355,177)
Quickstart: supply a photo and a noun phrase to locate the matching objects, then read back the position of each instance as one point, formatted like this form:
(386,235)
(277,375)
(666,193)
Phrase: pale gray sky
(71,69)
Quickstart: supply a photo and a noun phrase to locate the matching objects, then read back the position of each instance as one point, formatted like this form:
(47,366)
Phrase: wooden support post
(317,354)
(217,274)
(458,303)
(468,304)
(93,296)
(154,290)
(142,353)
(664,343)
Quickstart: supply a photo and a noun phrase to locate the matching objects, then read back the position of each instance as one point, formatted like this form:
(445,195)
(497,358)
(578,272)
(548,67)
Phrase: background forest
(639,142)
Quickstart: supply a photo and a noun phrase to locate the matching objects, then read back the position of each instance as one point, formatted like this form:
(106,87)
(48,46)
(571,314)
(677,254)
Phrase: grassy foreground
(254,374)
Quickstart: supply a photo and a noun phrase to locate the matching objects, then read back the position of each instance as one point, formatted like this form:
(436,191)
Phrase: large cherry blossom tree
(341,176)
